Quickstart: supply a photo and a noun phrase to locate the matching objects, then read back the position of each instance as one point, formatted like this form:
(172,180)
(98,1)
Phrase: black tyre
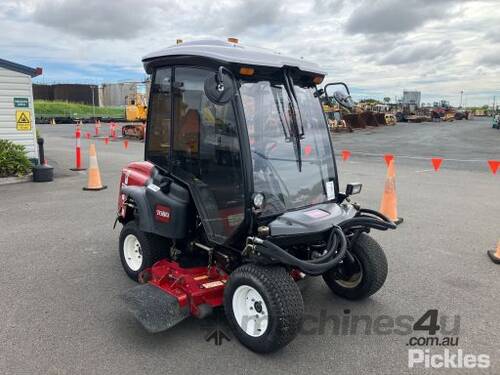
(139,250)
(362,278)
(264,307)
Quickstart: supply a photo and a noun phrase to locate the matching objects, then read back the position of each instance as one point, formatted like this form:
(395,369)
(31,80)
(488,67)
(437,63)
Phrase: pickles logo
(447,359)
(162,213)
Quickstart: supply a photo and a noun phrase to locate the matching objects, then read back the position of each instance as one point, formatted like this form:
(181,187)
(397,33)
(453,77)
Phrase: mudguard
(162,213)
(143,213)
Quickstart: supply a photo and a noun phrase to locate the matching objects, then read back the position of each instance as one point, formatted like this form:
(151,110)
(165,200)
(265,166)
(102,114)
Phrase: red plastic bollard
(78,151)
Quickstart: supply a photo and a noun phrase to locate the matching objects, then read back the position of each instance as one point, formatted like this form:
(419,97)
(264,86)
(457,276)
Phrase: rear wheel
(363,277)
(264,307)
(139,250)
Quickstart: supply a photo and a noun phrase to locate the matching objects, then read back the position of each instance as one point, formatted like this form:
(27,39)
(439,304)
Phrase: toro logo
(162,213)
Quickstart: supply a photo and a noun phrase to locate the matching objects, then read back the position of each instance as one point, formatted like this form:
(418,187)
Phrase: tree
(369,101)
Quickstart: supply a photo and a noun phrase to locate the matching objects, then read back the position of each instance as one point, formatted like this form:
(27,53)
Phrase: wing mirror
(343,98)
(219,88)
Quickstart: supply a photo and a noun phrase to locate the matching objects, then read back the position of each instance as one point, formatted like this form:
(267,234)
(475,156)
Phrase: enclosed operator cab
(268,137)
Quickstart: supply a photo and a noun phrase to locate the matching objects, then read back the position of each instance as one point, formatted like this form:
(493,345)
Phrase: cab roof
(234,53)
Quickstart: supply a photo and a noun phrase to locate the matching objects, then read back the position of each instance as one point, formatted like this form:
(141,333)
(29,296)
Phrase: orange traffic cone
(94,181)
(495,255)
(389,204)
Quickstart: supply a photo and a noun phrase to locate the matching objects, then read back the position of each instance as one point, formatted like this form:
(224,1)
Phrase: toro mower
(238,197)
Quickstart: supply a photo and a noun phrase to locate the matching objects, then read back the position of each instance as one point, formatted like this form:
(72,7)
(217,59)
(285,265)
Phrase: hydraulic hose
(375,213)
(318,266)
(336,245)
(331,246)
(367,221)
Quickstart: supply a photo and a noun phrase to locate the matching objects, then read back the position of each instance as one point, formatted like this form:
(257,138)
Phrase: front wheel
(263,306)
(363,277)
(138,250)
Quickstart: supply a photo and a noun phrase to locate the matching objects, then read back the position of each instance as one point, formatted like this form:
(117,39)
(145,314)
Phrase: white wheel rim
(354,280)
(250,311)
(132,252)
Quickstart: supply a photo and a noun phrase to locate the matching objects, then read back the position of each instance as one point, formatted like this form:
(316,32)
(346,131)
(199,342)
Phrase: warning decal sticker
(23,120)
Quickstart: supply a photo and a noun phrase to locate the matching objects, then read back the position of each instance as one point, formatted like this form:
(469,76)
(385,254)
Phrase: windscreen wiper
(294,96)
(295,128)
(281,113)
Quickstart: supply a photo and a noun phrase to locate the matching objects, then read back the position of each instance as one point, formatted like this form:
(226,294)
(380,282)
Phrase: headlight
(258,200)
(353,188)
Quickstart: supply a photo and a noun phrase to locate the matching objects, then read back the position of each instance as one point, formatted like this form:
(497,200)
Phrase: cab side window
(206,151)
(158,135)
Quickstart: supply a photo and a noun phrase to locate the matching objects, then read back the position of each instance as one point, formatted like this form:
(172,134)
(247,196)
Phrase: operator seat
(186,142)
(188,136)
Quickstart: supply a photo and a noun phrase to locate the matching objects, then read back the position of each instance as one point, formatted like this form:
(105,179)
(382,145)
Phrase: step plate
(155,309)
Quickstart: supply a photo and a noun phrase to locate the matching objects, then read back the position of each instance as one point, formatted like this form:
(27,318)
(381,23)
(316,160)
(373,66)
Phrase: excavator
(136,110)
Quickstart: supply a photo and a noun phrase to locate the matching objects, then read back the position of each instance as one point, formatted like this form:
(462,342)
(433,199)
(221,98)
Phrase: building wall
(74,93)
(115,94)
(411,97)
(16,85)
(43,92)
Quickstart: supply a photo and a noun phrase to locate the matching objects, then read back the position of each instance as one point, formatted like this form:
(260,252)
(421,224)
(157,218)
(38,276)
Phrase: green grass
(47,108)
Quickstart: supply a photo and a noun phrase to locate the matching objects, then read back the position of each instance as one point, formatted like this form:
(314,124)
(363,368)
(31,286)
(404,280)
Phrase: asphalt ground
(61,277)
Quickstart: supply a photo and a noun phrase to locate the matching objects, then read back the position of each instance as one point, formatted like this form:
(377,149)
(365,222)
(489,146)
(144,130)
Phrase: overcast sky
(379,47)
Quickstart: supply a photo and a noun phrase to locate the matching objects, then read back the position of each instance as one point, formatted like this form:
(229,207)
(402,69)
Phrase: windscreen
(292,169)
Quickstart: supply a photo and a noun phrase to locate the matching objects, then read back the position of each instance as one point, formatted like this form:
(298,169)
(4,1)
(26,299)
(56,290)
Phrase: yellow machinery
(448,116)
(136,109)
(390,119)
(334,117)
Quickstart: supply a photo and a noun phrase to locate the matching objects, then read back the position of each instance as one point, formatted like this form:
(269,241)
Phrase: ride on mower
(238,197)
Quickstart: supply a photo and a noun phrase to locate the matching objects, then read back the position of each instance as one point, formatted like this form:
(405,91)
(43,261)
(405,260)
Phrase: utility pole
(93,99)
(461,95)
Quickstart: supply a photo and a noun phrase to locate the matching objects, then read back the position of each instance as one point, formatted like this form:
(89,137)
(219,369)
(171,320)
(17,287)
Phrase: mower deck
(173,293)
(156,310)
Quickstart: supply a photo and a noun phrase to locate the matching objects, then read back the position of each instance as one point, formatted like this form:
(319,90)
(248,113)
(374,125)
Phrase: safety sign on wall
(23,120)
(21,102)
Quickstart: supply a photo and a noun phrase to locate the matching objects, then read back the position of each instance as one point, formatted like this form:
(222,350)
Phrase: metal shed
(17,118)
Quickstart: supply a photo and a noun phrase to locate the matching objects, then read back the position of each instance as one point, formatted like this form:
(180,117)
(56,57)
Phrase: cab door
(206,153)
